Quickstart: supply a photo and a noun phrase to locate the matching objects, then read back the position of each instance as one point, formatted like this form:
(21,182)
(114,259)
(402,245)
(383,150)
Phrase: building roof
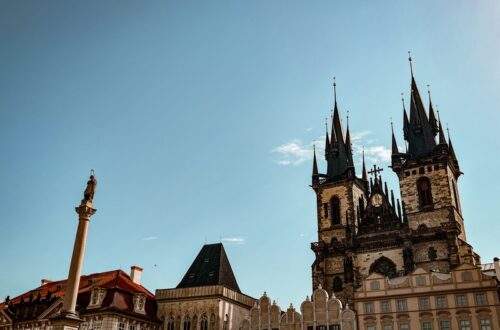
(120,290)
(211,267)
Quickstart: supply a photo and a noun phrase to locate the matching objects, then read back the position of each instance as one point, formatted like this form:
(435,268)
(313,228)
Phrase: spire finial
(411,64)
(347,120)
(334,90)
(392,125)
(403,100)
(448,130)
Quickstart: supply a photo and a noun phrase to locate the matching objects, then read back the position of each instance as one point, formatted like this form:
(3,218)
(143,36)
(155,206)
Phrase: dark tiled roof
(211,267)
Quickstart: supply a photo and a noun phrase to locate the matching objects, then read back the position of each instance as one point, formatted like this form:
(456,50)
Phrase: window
(370,327)
(121,326)
(461,300)
(464,325)
(132,327)
(466,276)
(170,324)
(387,327)
(444,325)
(368,308)
(325,210)
(203,323)
(310,327)
(424,303)
(385,306)
(426,325)
(404,326)
(96,325)
(321,327)
(401,303)
(187,323)
(481,299)
(337,284)
(334,327)
(424,192)
(441,302)
(375,285)
(485,324)
(335,204)
(420,280)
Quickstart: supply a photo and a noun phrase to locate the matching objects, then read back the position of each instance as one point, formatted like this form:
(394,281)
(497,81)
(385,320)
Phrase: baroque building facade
(110,300)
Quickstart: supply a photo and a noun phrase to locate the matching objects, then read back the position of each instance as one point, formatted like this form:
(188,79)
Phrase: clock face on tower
(377,200)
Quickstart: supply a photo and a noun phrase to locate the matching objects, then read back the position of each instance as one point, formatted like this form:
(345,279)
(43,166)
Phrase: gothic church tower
(363,227)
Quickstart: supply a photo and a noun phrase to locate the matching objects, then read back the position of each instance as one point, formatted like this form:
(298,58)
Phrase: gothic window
(337,284)
(204,323)
(424,192)
(325,210)
(226,323)
(170,324)
(384,266)
(335,205)
(187,323)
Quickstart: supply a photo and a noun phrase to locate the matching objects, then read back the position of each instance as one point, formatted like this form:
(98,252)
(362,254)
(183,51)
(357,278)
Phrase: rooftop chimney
(496,262)
(136,274)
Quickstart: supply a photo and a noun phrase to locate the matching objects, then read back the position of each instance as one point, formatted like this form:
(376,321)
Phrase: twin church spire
(420,129)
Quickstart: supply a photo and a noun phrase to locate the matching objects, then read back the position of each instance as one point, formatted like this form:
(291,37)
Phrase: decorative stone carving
(96,297)
(139,301)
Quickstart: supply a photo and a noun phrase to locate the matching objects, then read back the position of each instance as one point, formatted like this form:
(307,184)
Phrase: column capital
(85,211)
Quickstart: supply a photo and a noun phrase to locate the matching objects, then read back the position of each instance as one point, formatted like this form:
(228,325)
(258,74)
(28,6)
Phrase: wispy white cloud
(295,152)
(150,238)
(234,240)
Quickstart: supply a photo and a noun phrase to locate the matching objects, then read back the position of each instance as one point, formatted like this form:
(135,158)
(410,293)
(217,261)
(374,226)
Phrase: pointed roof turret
(395,150)
(452,151)
(327,141)
(315,173)
(348,144)
(432,115)
(406,122)
(442,139)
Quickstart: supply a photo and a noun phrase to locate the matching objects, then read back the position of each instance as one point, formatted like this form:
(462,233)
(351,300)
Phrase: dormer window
(96,297)
(139,300)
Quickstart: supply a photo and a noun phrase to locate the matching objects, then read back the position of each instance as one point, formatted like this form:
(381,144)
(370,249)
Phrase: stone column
(68,319)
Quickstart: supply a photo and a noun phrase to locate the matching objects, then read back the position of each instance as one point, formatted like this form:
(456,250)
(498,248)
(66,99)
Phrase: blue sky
(199,117)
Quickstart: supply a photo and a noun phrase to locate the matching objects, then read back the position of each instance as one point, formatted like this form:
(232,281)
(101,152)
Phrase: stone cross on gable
(375,171)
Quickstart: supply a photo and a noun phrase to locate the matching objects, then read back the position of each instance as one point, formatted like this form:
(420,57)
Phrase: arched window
(337,284)
(204,322)
(187,323)
(170,324)
(384,266)
(424,192)
(335,205)
(226,323)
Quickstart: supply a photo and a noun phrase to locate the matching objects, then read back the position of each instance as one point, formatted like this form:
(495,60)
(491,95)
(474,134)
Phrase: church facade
(365,230)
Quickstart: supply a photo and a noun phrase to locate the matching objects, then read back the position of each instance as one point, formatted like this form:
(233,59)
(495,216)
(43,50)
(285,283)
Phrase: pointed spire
(348,144)
(399,209)
(442,139)
(432,116)
(420,132)
(392,200)
(364,175)
(452,151)
(386,191)
(315,165)
(395,150)
(406,122)
(327,141)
